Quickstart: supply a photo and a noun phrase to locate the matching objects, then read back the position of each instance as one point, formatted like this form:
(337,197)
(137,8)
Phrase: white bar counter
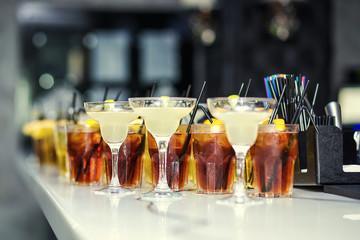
(75,212)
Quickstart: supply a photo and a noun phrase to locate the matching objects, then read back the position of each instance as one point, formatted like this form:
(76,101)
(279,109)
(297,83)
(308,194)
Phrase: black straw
(206,113)
(300,103)
(277,106)
(311,119)
(241,88)
(153,89)
(247,88)
(118,95)
(195,108)
(187,140)
(187,94)
(73,114)
(105,93)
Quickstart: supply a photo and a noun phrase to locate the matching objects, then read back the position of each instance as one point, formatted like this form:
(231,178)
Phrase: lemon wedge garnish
(233,100)
(39,128)
(91,122)
(109,105)
(215,121)
(280,124)
(207,121)
(233,96)
(165,101)
(137,121)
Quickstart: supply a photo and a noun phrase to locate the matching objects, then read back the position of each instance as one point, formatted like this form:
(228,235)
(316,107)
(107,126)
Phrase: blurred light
(46,81)
(346,98)
(90,40)
(201,4)
(39,39)
(72,78)
(354,217)
(208,36)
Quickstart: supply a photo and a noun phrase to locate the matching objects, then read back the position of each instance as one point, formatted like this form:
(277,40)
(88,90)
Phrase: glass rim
(199,128)
(289,128)
(103,102)
(161,98)
(89,128)
(201,124)
(259,99)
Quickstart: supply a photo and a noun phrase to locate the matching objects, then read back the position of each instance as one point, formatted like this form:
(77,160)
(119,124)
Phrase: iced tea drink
(42,134)
(130,158)
(85,148)
(274,154)
(178,158)
(214,159)
(248,172)
(44,148)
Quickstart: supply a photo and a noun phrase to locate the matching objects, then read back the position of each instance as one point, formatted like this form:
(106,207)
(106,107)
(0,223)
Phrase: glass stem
(115,167)
(239,188)
(162,143)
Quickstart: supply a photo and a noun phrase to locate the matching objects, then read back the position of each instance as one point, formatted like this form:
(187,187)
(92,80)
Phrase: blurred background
(51,49)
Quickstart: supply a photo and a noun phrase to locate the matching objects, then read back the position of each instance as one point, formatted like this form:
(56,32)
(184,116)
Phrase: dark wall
(345,37)
(250,50)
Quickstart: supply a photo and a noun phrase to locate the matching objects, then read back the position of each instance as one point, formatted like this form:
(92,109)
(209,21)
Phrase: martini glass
(241,117)
(162,116)
(114,119)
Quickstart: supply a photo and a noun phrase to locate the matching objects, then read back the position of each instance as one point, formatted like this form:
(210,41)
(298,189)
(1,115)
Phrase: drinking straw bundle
(289,90)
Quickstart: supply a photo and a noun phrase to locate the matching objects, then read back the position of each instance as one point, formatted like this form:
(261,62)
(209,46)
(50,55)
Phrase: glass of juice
(273,156)
(178,159)
(42,135)
(214,159)
(60,149)
(130,158)
(84,148)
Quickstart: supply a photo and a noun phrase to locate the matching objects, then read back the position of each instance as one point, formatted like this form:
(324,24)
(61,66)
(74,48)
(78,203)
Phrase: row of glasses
(162,116)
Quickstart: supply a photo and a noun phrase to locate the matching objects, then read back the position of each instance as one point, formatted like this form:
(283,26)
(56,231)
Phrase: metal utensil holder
(323,155)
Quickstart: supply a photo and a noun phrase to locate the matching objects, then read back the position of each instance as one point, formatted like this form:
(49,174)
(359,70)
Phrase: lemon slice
(109,105)
(91,122)
(234,96)
(137,121)
(207,121)
(280,124)
(233,100)
(215,121)
(39,128)
(165,101)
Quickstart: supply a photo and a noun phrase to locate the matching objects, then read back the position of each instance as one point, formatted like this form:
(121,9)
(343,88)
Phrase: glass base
(157,196)
(109,190)
(273,195)
(239,201)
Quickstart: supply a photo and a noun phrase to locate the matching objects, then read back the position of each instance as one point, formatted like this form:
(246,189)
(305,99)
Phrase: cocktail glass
(130,158)
(162,116)
(114,119)
(241,117)
(178,159)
